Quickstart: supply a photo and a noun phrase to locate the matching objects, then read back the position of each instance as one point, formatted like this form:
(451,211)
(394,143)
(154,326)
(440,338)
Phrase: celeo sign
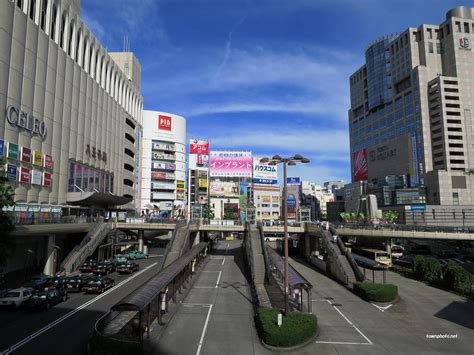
(22,119)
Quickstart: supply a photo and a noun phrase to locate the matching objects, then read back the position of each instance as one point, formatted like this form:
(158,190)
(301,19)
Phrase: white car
(15,297)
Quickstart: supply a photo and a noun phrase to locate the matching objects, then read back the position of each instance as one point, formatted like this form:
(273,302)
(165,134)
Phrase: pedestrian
(334,238)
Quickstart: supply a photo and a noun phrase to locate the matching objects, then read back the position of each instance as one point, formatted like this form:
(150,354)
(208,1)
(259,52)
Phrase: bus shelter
(370,264)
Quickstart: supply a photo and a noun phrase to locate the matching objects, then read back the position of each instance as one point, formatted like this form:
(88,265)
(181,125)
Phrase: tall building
(410,119)
(198,176)
(72,116)
(266,191)
(163,162)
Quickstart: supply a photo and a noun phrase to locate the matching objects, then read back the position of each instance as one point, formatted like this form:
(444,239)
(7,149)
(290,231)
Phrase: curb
(294,347)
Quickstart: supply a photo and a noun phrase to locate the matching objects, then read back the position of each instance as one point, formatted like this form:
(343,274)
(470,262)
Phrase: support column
(388,245)
(50,266)
(140,240)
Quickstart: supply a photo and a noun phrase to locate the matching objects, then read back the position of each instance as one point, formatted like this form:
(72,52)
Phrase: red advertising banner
(158,176)
(48,161)
(231,163)
(360,165)
(24,175)
(26,155)
(198,146)
(164,123)
(47,179)
(202,160)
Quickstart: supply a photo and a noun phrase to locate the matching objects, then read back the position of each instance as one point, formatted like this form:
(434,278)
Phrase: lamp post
(291,161)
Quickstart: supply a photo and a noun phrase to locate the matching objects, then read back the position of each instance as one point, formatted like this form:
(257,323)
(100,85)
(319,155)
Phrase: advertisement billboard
(13,151)
(221,188)
(36,177)
(231,164)
(203,182)
(24,175)
(48,161)
(11,172)
(37,158)
(293,181)
(164,122)
(360,165)
(199,146)
(163,166)
(264,173)
(47,179)
(2,147)
(26,155)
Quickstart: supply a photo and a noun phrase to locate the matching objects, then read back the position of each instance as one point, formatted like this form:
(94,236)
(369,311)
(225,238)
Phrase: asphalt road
(80,312)
(349,325)
(216,317)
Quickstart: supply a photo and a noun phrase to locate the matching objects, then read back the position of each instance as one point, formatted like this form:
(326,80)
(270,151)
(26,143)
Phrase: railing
(249,251)
(407,228)
(264,251)
(222,222)
(52,220)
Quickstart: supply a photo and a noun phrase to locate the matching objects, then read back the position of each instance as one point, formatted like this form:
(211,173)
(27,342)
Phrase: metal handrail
(264,251)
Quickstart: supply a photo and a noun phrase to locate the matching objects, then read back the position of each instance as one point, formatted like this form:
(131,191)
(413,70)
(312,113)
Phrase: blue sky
(269,76)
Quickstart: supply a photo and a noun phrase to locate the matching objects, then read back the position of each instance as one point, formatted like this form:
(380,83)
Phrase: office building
(72,115)
(163,162)
(198,177)
(411,115)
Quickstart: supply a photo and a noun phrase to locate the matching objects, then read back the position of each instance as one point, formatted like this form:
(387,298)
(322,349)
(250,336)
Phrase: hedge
(457,278)
(295,329)
(376,292)
(427,269)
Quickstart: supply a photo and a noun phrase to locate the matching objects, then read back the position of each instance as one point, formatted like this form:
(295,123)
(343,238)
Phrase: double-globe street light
(291,161)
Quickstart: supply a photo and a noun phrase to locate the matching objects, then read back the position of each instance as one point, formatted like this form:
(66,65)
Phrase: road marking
(341,343)
(223,260)
(369,342)
(70,314)
(204,331)
(217,283)
(380,308)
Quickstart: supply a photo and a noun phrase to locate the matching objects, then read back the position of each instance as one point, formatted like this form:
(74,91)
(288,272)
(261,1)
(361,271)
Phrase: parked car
(397,251)
(98,285)
(46,299)
(75,283)
(56,282)
(88,266)
(127,268)
(38,282)
(15,297)
(103,268)
(133,255)
(119,259)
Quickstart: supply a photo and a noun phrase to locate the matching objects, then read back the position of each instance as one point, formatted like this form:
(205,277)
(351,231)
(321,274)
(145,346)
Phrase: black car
(75,283)
(39,282)
(104,268)
(127,268)
(98,285)
(46,299)
(88,266)
(55,282)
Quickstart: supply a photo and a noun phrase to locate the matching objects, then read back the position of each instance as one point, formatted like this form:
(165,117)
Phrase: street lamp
(291,161)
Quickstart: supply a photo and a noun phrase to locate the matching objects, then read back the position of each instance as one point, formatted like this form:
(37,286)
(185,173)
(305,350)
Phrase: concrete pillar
(50,266)
(140,240)
(145,249)
(388,245)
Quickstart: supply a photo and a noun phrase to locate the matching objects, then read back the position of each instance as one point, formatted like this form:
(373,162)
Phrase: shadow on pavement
(457,312)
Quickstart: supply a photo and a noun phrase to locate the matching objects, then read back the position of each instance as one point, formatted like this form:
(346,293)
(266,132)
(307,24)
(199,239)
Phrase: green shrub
(376,292)
(295,329)
(433,270)
(419,265)
(457,278)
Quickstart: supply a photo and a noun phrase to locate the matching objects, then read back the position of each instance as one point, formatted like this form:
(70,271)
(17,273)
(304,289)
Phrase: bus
(379,256)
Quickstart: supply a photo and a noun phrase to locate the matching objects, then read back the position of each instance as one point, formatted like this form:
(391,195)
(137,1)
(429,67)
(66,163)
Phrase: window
(430,33)
(458,26)
(71,36)
(430,47)
(455,201)
(19,3)
(53,23)
(63,30)
(439,48)
(32,9)
(44,9)
(466,27)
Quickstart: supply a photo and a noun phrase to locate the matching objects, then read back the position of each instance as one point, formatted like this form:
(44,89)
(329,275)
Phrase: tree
(207,212)
(390,216)
(6,224)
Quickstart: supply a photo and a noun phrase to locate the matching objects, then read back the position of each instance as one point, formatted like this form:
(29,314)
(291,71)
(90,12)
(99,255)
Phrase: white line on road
(223,260)
(204,331)
(348,321)
(341,343)
(218,279)
(380,308)
(71,313)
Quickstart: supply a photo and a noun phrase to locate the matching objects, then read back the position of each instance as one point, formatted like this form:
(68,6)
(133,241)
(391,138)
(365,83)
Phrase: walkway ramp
(87,247)
(179,243)
(340,261)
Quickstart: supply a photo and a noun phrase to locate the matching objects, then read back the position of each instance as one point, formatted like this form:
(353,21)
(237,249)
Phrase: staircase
(86,248)
(179,238)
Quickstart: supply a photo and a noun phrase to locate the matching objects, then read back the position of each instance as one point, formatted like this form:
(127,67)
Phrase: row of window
(73,37)
(82,178)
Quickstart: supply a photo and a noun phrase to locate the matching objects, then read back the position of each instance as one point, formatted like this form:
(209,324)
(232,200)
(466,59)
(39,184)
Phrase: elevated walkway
(180,241)
(86,248)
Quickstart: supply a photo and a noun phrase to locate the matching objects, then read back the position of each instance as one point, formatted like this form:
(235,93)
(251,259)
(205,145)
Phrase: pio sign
(164,123)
